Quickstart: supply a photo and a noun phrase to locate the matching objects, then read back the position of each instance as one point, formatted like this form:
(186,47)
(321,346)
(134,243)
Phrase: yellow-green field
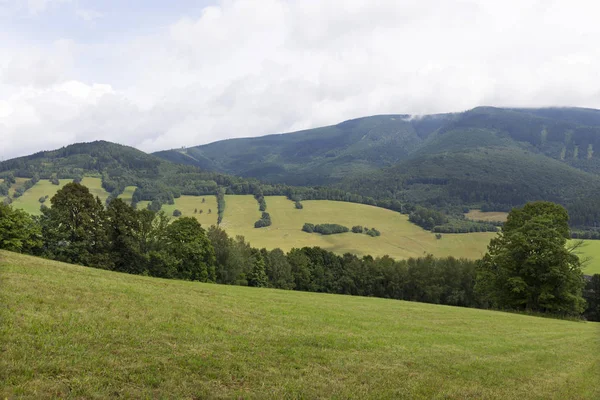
(95,187)
(399,238)
(75,332)
(478,215)
(187,205)
(30,203)
(127,195)
(590,251)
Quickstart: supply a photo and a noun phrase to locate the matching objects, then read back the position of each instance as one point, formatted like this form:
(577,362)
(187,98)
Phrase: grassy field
(95,187)
(399,238)
(591,252)
(75,332)
(477,215)
(127,195)
(30,199)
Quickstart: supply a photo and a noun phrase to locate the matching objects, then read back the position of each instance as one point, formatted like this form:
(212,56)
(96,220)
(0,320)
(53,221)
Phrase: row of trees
(528,267)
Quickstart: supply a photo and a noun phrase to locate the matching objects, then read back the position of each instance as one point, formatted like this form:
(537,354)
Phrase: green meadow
(75,332)
(590,254)
(95,187)
(127,195)
(30,200)
(399,238)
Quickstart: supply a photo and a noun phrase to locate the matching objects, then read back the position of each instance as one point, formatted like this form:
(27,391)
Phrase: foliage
(591,295)
(427,218)
(325,229)
(19,232)
(528,266)
(177,213)
(264,221)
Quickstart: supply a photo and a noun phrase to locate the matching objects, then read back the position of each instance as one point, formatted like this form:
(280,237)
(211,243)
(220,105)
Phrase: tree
(123,225)
(592,296)
(188,244)
(74,227)
(529,267)
(19,232)
(257,276)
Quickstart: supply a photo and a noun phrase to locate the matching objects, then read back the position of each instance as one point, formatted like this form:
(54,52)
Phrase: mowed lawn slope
(399,238)
(75,332)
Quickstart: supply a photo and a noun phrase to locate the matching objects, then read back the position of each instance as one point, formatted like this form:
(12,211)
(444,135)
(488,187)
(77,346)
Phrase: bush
(264,221)
(438,236)
(357,229)
(177,213)
(325,229)
(298,205)
(373,232)
(310,228)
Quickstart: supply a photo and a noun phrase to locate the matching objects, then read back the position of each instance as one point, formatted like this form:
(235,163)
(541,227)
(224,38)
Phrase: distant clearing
(30,201)
(187,205)
(95,187)
(399,238)
(76,332)
(127,195)
(591,250)
(478,215)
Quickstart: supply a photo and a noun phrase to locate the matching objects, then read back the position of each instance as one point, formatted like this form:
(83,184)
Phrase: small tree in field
(529,266)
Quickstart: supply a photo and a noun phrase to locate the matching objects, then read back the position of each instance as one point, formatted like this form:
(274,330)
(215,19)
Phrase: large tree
(529,266)
(18,230)
(74,228)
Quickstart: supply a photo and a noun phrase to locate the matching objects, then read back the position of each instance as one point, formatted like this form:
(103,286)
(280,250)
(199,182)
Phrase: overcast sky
(160,74)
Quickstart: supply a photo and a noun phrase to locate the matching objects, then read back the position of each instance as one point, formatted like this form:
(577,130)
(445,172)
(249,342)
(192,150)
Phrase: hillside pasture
(19,182)
(127,195)
(76,332)
(29,201)
(95,187)
(187,205)
(399,238)
(491,216)
(590,251)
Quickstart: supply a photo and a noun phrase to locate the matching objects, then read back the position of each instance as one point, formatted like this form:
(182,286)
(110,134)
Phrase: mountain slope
(315,156)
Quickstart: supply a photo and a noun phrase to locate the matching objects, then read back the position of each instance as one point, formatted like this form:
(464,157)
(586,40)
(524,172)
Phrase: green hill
(74,332)
(486,157)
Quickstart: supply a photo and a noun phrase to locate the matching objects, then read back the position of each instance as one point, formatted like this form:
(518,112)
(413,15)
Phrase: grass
(19,182)
(187,205)
(590,251)
(30,203)
(492,216)
(95,187)
(127,195)
(75,332)
(399,238)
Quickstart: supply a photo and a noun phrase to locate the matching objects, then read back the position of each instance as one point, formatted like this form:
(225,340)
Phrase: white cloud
(88,15)
(246,68)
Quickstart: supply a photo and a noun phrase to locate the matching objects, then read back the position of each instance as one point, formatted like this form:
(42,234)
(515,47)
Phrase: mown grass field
(95,187)
(30,203)
(127,195)
(478,215)
(590,251)
(75,332)
(399,238)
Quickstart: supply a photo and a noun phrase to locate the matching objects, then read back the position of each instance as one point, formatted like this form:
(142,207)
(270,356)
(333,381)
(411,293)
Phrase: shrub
(177,213)
(357,229)
(298,205)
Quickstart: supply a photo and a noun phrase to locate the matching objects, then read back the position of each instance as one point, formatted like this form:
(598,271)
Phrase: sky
(157,74)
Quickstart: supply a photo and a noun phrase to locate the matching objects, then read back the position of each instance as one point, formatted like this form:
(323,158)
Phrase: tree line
(538,273)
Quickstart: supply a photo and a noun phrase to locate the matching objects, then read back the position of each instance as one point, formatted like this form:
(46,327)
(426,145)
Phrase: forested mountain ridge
(315,156)
(329,154)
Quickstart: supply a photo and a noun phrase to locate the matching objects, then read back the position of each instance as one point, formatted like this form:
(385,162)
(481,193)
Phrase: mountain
(329,154)
(316,156)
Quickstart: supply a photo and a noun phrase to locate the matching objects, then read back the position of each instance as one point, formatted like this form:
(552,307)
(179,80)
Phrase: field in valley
(30,200)
(399,238)
(76,332)
(492,216)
